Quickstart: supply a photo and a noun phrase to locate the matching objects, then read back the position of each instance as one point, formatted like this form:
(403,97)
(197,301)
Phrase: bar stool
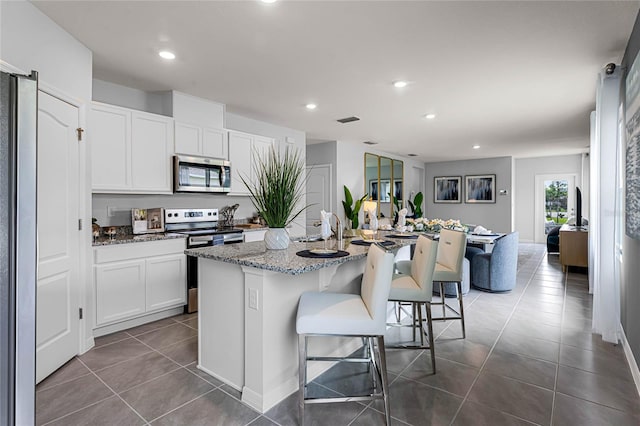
(415,286)
(451,249)
(353,315)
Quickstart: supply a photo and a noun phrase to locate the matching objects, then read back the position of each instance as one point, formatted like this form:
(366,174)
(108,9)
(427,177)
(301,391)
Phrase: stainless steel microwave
(201,174)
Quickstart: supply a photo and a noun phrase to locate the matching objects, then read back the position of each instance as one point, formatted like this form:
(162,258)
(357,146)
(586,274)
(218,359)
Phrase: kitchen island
(247,303)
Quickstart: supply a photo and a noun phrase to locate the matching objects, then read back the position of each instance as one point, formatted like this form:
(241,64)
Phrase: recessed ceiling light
(370,143)
(268,1)
(311,106)
(476,147)
(412,155)
(430,116)
(166,54)
(400,84)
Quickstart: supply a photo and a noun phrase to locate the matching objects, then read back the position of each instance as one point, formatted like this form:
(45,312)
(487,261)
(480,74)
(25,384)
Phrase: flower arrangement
(422,224)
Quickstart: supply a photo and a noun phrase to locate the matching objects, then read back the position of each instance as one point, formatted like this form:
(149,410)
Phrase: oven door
(200,174)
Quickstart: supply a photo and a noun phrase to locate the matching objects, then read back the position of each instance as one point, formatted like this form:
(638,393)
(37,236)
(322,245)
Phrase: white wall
(128,97)
(496,217)
(29,40)
(526,170)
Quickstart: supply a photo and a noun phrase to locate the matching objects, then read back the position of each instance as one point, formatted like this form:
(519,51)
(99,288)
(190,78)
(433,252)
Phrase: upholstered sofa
(553,240)
(496,271)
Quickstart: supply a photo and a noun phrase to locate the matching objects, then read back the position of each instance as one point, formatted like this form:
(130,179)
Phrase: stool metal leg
(459,290)
(431,345)
(385,379)
(302,374)
(444,310)
(419,308)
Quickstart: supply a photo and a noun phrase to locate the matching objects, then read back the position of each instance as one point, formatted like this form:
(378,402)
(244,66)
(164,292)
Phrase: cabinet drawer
(120,252)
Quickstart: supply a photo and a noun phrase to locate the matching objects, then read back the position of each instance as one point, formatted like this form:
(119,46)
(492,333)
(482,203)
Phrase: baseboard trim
(631,360)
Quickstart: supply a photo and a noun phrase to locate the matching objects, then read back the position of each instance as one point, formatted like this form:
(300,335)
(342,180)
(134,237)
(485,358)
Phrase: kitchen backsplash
(115,209)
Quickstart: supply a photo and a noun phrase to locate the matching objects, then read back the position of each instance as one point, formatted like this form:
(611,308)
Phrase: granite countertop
(130,238)
(285,261)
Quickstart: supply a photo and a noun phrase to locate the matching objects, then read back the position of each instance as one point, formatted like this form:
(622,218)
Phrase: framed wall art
(480,189)
(447,189)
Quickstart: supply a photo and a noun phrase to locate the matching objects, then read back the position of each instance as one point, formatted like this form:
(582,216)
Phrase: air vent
(347,120)
(370,143)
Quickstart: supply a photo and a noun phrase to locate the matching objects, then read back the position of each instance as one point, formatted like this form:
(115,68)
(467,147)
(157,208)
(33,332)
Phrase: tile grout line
(97,402)
(555,384)
(481,369)
(182,405)
(118,395)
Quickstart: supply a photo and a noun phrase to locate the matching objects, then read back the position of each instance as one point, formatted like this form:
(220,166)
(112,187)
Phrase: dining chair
(414,285)
(355,315)
(449,269)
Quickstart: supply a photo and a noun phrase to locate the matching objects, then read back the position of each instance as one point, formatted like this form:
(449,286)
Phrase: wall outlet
(253,298)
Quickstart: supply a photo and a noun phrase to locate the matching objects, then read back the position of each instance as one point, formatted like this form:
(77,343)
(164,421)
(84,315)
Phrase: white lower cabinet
(163,273)
(132,280)
(120,291)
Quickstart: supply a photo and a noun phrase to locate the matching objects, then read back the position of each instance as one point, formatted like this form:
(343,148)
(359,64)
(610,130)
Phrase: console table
(574,247)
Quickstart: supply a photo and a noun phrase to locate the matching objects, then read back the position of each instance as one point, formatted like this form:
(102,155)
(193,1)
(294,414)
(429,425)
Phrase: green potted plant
(416,205)
(351,212)
(277,191)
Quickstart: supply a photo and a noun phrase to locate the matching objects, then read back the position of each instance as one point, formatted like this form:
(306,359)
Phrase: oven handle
(200,240)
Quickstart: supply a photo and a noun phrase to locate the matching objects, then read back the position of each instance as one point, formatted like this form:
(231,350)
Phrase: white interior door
(318,194)
(57,319)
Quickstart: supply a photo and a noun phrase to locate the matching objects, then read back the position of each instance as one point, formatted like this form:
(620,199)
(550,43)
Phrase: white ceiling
(517,78)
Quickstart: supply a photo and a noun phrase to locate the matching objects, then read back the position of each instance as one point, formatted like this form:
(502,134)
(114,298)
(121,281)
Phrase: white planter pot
(276,239)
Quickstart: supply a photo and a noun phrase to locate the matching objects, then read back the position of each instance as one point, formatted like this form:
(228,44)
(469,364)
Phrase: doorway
(554,203)
(318,195)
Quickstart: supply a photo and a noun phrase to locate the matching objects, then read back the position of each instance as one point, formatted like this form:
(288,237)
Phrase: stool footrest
(333,358)
(344,399)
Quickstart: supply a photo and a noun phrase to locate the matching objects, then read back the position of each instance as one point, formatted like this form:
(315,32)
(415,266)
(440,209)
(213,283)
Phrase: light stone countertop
(286,261)
(130,238)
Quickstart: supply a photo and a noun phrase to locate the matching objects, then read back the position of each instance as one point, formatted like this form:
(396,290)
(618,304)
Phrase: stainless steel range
(201,226)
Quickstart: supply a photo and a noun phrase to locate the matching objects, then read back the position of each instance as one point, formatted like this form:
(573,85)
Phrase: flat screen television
(578,207)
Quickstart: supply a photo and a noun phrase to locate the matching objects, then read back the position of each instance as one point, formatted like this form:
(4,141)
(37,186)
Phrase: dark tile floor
(529,358)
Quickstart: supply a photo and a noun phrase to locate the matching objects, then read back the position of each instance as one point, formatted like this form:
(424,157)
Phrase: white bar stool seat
(449,268)
(338,314)
(415,286)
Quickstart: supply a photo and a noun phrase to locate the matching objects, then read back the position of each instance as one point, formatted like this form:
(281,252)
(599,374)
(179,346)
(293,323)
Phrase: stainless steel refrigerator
(18,247)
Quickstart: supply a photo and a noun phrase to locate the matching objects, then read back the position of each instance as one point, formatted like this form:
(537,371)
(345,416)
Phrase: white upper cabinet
(131,150)
(201,141)
(110,148)
(188,138)
(151,151)
(242,147)
(199,126)
(240,158)
(214,143)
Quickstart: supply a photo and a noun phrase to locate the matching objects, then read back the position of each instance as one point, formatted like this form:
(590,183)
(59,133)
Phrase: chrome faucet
(338,228)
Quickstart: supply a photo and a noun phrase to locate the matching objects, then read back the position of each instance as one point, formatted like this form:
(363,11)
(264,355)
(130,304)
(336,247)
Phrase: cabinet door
(261,148)
(214,143)
(188,139)
(151,150)
(110,148)
(240,156)
(166,281)
(120,290)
